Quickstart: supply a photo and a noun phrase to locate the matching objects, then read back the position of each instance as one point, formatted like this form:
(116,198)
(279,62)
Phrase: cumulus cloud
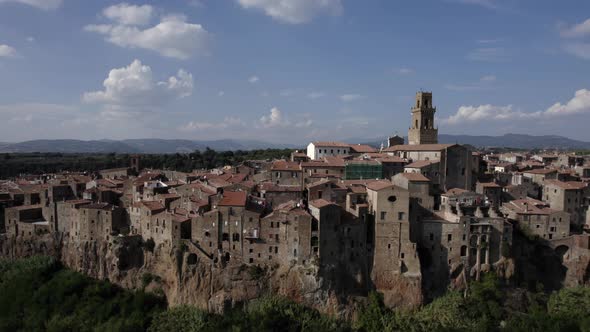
(41,4)
(351,97)
(294,11)
(135,85)
(580,103)
(579,49)
(127,14)
(7,51)
(576,30)
(172,37)
(274,119)
(253,79)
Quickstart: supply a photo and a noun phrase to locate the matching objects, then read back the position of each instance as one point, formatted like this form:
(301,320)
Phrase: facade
(319,150)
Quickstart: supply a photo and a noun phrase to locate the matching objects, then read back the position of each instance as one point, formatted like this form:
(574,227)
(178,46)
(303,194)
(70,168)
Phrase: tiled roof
(421,163)
(490,185)
(569,185)
(281,165)
(540,171)
(419,147)
(233,198)
(455,191)
(362,148)
(320,203)
(415,177)
(153,205)
(379,185)
(331,144)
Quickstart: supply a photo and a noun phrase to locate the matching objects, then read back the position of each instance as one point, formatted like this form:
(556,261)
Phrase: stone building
(492,191)
(537,218)
(569,197)
(454,163)
(286,173)
(422,130)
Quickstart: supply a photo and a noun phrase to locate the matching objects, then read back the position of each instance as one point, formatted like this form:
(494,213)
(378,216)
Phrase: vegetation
(15,164)
(38,294)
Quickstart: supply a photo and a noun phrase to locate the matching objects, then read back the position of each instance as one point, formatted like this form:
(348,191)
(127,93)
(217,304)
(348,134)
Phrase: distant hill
(134,146)
(509,141)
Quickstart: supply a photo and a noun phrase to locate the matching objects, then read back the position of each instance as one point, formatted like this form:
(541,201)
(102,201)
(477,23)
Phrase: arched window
(416,126)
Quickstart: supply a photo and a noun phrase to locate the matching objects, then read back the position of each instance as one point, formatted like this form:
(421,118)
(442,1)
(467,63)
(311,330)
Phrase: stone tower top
(422,130)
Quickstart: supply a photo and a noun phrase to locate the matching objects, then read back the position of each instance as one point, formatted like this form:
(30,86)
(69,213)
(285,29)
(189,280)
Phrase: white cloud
(173,37)
(351,97)
(405,71)
(488,78)
(7,51)
(253,79)
(30,39)
(315,95)
(580,103)
(134,86)
(484,3)
(581,50)
(274,119)
(220,93)
(228,121)
(577,30)
(127,14)
(488,54)
(294,11)
(41,4)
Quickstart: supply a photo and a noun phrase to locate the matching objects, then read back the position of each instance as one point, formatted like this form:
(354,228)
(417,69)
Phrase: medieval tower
(422,130)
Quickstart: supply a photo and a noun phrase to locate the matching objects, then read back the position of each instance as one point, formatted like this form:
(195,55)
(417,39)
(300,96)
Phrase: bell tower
(422,130)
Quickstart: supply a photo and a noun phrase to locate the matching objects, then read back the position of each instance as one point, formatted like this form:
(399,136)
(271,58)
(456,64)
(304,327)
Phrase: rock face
(186,276)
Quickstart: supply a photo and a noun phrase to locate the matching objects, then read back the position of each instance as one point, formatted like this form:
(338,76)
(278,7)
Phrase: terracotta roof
(379,185)
(455,191)
(153,205)
(362,148)
(528,206)
(331,144)
(391,159)
(97,206)
(540,171)
(281,165)
(569,185)
(320,203)
(334,161)
(419,147)
(490,185)
(421,163)
(415,177)
(267,186)
(233,198)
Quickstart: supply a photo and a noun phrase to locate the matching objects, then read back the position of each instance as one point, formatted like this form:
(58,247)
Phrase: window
(383,213)
(401,215)
(431,237)
(449,237)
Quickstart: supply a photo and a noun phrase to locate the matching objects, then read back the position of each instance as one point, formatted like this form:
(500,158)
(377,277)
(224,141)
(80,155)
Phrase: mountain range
(152,145)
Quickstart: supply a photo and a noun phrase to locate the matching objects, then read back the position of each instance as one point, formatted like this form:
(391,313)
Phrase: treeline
(37,294)
(15,164)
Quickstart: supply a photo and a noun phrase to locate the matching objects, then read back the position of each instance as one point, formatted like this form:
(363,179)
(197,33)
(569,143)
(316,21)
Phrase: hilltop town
(324,227)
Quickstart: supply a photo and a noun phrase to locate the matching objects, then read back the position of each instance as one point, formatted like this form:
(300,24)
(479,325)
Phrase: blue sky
(291,70)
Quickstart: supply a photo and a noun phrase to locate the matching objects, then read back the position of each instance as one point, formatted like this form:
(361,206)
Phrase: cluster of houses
(418,210)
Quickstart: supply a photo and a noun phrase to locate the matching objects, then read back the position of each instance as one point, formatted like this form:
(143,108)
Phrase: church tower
(422,130)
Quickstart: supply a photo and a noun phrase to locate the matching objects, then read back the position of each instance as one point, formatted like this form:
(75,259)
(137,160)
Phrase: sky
(291,71)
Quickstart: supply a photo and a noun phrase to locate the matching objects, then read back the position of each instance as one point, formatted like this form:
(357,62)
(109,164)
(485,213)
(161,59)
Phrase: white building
(319,150)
